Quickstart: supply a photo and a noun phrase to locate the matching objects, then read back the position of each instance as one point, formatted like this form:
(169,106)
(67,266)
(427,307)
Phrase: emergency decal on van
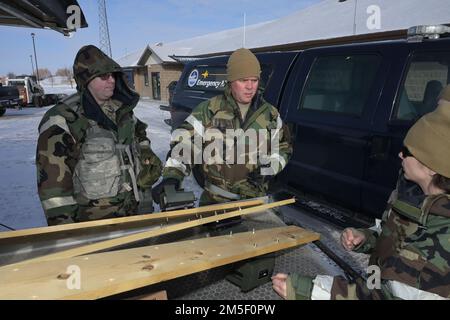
(207,78)
(193,77)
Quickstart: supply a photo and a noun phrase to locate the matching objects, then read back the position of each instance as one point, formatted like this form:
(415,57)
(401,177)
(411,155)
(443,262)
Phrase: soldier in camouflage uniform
(412,246)
(93,156)
(241,106)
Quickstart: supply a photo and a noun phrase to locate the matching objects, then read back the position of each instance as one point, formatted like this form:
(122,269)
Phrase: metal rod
(35,58)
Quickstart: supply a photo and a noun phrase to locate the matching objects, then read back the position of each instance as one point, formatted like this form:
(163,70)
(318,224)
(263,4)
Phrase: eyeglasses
(106,76)
(405,152)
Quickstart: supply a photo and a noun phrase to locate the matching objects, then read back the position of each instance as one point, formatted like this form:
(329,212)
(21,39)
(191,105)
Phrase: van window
(427,75)
(340,84)
(214,78)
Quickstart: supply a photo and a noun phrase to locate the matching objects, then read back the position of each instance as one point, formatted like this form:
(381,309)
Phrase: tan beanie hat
(429,138)
(242,64)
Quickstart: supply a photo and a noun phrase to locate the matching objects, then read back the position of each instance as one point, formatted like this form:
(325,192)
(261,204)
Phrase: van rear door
(329,103)
(418,74)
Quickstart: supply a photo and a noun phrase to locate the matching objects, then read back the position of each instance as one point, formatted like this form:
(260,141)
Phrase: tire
(37,101)
(2,111)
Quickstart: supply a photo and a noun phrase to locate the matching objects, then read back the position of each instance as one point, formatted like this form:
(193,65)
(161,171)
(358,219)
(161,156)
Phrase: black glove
(256,179)
(159,188)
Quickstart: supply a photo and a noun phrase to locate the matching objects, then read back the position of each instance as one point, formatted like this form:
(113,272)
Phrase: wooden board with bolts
(113,243)
(118,222)
(109,273)
(15,245)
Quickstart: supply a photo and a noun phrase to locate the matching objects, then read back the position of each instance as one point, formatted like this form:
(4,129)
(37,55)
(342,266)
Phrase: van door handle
(379,148)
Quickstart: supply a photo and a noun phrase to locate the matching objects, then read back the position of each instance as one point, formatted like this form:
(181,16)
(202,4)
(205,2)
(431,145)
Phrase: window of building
(340,84)
(129,75)
(156,85)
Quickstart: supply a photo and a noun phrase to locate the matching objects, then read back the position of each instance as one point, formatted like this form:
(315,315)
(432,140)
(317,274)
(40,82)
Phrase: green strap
(409,211)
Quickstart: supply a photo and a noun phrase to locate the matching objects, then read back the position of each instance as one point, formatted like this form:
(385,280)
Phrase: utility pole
(32,65)
(35,58)
(105,43)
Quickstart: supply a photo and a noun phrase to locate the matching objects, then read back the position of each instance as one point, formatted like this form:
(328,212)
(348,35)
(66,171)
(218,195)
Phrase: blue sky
(133,24)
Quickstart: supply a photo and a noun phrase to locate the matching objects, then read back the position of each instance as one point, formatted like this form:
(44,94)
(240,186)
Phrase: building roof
(131,59)
(328,19)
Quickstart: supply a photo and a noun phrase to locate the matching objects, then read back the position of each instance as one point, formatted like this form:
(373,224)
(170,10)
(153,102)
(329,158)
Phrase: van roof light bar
(418,33)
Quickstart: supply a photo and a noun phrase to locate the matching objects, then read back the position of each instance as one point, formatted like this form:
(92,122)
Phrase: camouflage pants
(301,287)
(342,289)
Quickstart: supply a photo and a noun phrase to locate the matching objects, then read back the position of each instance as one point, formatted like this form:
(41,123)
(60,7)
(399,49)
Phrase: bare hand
(279,284)
(351,238)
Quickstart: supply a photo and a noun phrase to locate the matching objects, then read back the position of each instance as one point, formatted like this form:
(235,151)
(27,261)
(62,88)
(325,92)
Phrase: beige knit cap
(429,138)
(242,64)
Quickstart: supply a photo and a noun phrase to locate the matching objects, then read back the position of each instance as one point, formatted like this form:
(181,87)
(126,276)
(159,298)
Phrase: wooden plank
(109,273)
(160,295)
(109,244)
(22,245)
(131,219)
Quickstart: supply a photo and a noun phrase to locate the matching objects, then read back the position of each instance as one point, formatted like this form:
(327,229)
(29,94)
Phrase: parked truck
(9,97)
(31,93)
(348,108)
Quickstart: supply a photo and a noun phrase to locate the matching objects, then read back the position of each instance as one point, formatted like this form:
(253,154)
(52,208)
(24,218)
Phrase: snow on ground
(19,203)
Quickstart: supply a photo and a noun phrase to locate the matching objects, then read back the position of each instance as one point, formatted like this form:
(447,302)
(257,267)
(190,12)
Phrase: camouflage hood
(91,62)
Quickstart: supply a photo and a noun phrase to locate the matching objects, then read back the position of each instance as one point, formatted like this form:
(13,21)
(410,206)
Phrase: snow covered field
(19,203)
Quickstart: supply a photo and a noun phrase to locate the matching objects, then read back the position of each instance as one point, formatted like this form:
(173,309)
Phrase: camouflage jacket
(412,249)
(414,244)
(240,171)
(62,133)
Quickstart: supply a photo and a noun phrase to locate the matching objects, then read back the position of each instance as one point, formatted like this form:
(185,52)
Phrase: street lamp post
(32,65)
(35,58)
